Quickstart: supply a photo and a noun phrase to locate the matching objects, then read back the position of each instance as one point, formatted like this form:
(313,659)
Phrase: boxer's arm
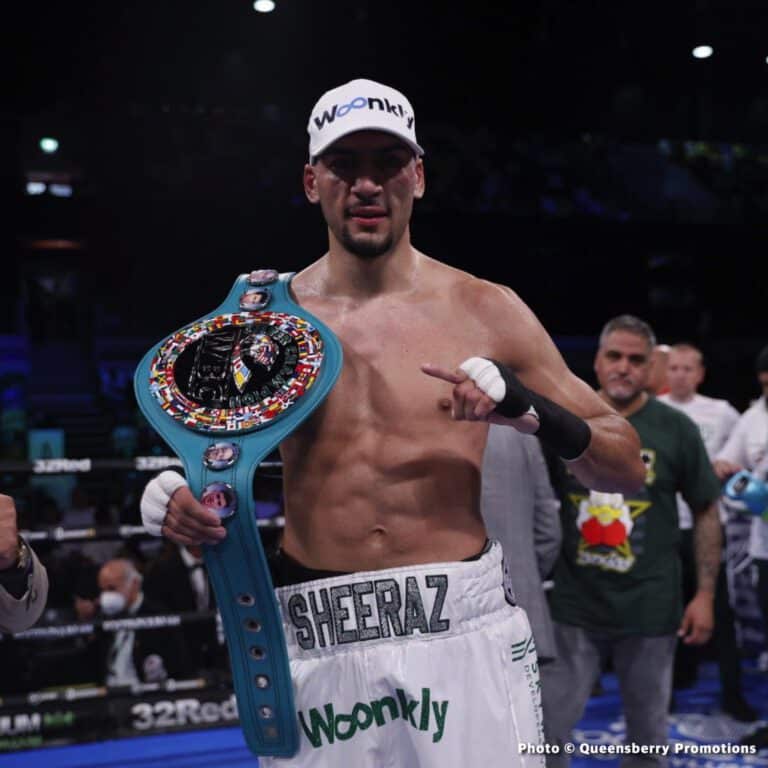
(611,461)
(566,433)
(602,448)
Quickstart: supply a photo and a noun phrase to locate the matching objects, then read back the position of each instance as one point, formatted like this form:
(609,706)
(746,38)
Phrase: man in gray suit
(521,511)
(23,579)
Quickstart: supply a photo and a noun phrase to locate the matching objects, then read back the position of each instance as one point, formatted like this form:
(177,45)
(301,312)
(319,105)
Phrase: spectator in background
(131,656)
(23,579)
(521,510)
(715,420)
(617,582)
(178,582)
(747,448)
(657,378)
(23,595)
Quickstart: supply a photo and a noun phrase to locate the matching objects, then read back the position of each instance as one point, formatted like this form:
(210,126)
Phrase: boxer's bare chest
(386,339)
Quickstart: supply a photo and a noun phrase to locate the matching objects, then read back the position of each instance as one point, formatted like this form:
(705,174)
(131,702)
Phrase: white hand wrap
(486,377)
(155,499)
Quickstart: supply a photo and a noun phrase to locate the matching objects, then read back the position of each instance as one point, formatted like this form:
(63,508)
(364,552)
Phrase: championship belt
(223,392)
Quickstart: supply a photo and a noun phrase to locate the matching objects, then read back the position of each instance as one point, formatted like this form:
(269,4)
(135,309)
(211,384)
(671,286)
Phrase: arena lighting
(54,244)
(702,51)
(264,6)
(60,190)
(49,145)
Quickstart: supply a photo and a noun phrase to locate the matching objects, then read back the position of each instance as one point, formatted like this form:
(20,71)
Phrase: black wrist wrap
(567,434)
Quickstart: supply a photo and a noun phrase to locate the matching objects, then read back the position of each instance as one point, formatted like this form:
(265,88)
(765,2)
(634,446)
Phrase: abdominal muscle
(367,499)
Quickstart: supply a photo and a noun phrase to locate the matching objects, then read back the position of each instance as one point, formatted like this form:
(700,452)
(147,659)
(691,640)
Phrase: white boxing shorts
(426,666)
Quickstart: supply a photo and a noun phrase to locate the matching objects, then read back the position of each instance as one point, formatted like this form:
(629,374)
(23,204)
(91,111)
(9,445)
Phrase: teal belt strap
(223,392)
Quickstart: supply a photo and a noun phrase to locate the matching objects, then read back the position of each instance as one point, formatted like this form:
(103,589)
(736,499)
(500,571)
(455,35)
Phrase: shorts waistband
(287,570)
(394,605)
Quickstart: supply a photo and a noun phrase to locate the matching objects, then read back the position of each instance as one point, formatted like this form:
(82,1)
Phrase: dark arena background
(150,152)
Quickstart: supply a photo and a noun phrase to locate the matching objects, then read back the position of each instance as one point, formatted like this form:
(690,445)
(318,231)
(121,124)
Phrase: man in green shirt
(617,582)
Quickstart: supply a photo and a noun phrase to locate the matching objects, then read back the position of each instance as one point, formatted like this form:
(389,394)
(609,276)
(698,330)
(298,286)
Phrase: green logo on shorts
(418,712)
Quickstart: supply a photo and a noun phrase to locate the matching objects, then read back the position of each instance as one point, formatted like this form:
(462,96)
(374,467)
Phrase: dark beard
(366,249)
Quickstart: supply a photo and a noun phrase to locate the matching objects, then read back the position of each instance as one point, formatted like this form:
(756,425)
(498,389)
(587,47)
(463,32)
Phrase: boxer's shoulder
(499,311)
(460,288)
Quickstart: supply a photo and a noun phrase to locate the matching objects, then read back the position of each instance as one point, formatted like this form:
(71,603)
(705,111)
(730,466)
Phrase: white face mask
(112,602)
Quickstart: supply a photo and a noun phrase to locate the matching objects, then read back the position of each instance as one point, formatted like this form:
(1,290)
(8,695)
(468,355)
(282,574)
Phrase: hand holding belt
(223,392)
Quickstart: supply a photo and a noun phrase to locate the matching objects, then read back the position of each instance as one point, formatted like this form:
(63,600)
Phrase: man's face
(113,578)
(622,367)
(365,184)
(684,373)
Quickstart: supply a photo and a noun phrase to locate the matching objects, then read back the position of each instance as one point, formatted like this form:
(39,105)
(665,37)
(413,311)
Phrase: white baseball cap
(360,105)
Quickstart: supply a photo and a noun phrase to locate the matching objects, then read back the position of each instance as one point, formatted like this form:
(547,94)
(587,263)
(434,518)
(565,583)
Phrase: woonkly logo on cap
(362,102)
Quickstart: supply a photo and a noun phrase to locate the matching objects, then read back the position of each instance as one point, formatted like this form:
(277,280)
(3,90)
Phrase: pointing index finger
(436,371)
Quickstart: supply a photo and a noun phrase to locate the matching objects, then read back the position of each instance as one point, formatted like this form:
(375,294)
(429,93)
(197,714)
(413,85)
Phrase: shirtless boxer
(403,645)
